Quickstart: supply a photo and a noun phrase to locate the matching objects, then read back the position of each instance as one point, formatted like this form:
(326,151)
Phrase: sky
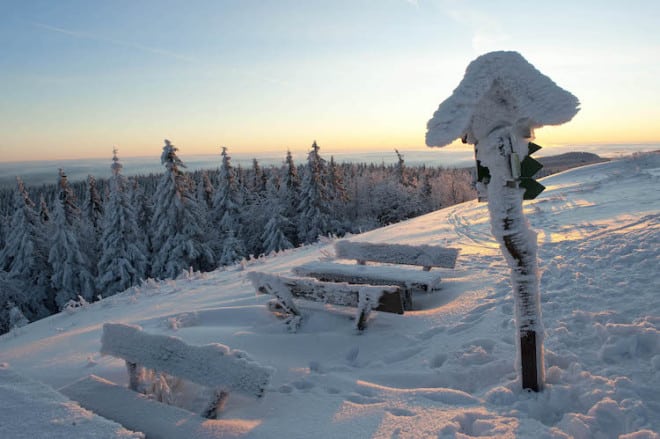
(78,77)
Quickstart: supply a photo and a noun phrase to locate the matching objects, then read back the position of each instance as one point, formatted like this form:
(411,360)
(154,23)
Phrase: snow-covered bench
(409,280)
(214,365)
(386,298)
(426,256)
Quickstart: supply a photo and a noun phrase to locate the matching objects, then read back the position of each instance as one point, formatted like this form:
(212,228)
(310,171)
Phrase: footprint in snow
(430,333)
(363,400)
(303,384)
(402,355)
(400,412)
(458,328)
(438,360)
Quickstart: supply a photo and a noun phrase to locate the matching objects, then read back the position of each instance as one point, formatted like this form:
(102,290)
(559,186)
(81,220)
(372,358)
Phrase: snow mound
(29,409)
(535,97)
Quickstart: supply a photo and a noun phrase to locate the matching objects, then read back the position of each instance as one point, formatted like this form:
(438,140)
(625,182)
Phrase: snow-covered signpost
(496,107)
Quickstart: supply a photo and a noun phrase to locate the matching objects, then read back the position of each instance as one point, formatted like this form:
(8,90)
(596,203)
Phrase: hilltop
(445,369)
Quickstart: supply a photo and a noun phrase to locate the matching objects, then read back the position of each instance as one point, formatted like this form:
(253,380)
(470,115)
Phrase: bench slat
(388,297)
(370,274)
(423,255)
(212,365)
(384,298)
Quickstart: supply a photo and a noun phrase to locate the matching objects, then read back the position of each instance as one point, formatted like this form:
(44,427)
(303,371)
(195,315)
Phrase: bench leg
(283,305)
(135,377)
(364,309)
(216,404)
(407,300)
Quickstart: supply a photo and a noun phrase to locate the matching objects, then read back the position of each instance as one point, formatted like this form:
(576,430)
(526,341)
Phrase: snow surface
(31,409)
(444,370)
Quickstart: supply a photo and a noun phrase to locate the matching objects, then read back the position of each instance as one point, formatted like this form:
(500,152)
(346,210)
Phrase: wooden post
(529,365)
(526,268)
(518,244)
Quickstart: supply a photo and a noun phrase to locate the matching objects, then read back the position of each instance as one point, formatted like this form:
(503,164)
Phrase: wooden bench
(408,279)
(386,298)
(213,365)
(426,256)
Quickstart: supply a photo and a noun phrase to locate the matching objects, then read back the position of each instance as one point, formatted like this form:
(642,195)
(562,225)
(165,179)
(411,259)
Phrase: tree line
(71,242)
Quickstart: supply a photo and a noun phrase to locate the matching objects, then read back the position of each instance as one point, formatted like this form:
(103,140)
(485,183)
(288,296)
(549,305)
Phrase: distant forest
(68,243)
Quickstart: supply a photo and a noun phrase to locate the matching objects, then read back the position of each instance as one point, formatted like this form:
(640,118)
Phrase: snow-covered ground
(446,369)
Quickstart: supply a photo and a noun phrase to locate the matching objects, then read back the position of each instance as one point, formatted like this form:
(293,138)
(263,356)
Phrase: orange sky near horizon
(77,78)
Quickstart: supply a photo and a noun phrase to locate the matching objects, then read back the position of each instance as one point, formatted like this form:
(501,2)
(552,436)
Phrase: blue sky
(77,77)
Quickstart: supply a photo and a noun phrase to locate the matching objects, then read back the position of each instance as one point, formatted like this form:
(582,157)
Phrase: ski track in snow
(445,369)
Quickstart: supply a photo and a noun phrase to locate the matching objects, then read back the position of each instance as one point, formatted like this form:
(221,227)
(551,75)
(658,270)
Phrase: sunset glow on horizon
(266,76)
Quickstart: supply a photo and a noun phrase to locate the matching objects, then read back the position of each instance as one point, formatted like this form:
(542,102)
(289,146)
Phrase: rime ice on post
(496,107)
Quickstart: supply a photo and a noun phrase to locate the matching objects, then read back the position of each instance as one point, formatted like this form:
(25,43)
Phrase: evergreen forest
(70,243)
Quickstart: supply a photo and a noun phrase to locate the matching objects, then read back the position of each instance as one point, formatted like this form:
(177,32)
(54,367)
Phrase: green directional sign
(528,168)
(532,188)
(483,173)
(532,148)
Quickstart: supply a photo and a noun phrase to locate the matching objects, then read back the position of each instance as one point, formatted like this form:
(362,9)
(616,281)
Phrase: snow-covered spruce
(225,214)
(178,232)
(123,261)
(314,219)
(70,276)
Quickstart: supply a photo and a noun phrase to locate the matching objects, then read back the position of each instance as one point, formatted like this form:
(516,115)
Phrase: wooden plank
(422,255)
(390,297)
(369,274)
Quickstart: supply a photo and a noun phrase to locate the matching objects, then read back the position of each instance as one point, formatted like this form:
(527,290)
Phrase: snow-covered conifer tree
(273,237)
(232,249)
(179,242)
(314,219)
(259,178)
(226,213)
(71,277)
(25,255)
(123,260)
(44,212)
(205,190)
(291,186)
(92,210)
(68,200)
(143,207)
(338,198)
(90,230)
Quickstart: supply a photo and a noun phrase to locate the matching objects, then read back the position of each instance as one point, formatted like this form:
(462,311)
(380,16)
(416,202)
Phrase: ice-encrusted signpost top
(496,107)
